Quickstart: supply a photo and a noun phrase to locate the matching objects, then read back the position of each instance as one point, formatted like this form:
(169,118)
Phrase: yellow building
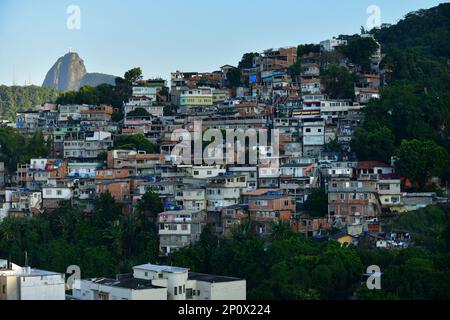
(197,97)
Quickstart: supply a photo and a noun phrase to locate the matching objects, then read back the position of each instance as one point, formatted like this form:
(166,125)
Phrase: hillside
(16,98)
(415,106)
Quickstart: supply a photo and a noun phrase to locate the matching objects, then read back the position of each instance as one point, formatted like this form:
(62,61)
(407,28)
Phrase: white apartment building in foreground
(155,282)
(24,283)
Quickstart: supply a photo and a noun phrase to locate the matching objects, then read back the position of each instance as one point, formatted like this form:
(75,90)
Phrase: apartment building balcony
(175,232)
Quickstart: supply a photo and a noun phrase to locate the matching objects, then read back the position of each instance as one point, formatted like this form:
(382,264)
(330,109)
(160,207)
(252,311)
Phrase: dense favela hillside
(365,124)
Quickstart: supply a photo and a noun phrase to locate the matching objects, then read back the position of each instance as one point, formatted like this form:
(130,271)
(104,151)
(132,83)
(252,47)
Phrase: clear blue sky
(167,35)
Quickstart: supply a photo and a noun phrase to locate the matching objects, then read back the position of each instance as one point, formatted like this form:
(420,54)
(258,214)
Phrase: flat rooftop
(158,268)
(211,278)
(126,283)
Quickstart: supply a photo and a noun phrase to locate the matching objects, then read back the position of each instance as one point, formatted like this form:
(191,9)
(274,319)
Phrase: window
(308,130)
(184,227)
(146,274)
(180,289)
(198,292)
(103,296)
(196,173)
(59,192)
(184,288)
(4,289)
(175,291)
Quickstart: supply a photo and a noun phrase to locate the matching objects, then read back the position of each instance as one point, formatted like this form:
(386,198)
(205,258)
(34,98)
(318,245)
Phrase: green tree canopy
(421,160)
(317,203)
(360,50)
(377,144)
(247,60)
(16,148)
(133,75)
(339,82)
(135,141)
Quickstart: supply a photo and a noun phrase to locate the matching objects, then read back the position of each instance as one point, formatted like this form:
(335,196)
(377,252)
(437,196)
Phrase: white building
(143,103)
(24,283)
(83,169)
(178,229)
(313,138)
(204,172)
(155,282)
(87,145)
(332,109)
(331,44)
(59,193)
(224,191)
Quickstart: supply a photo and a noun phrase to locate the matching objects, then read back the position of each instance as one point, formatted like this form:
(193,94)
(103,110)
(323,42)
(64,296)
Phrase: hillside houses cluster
(85,161)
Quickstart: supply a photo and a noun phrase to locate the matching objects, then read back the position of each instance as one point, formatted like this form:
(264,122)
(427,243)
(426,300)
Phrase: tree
(106,210)
(281,230)
(135,142)
(138,112)
(16,148)
(247,60)
(317,203)
(377,144)
(234,78)
(17,99)
(307,48)
(151,205)
(360,50)
(133,75)
(339,82)
(421,160)
(169,111)
(334,146)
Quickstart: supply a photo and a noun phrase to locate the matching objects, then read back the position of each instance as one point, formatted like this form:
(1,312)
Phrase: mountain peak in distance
(69,73)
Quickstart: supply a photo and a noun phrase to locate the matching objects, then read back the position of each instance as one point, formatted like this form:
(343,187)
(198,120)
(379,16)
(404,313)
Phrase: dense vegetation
(135,142)
(416,103)
(286,266)
(339,82)
(102,243)
(290,267)
(16,148)
(421,272)
(359,51)
(15,99)
(104,93)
